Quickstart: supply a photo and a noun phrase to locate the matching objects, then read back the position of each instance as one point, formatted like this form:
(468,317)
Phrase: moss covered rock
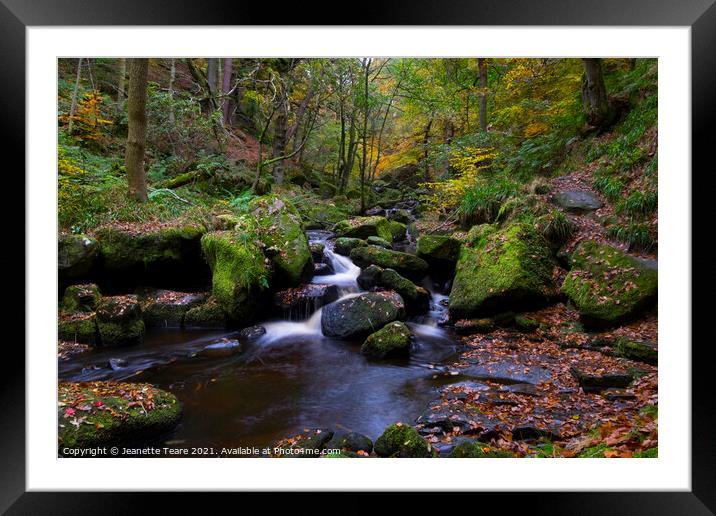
(438,249)
(477,234)
(364,227)
(92,414)
(477,450)
(526,324)
(78,327)
(209,314)
(393,340)
(239,270)
(638,351)
(279,228)
(397,231)
(124,248)
(166,308)
(608,286)
(76,255)
(81,298)
(400,440)
(358,316)
(417,299)
(506,270)
(344,245)
(472,326)
(119,320)
(380,242)
(405,264)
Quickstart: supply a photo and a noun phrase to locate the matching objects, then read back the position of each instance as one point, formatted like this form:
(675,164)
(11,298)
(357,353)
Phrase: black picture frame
(699,15)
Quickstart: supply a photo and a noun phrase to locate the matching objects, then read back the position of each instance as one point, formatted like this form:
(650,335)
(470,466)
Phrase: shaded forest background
(340,136)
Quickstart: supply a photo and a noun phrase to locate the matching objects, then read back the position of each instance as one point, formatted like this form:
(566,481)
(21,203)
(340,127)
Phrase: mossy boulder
(119,320)
(344,245)
(397,231)
(209,314)
(506,270)
(81,298)
(359,316)
(440,251)
(364,227)
(638,351)
(239,268)
(405,264)
(351,442)
(608,286)
(417,299)
(380,242)
(147,248)
(279,228)
(76,256)
(92,414)
(477,450)
(478,233)
(400,440)
(391,341)
(78,327)
(166,308)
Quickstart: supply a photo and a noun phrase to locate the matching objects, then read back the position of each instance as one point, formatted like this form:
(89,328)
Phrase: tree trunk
(137,130)
(279,140)
(73,105)
(226,88)
(121,77)
(482,72)
(172,76)
(211,68)
(364,161)
(594,94)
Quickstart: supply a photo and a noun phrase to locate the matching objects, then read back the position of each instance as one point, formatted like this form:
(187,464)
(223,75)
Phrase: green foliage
(637,234)
(187,133)
(638,203)
(611,186)
(482,202)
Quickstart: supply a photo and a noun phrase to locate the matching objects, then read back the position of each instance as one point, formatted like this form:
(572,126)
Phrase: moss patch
(279,228)
(108,413)
(405,264)
(440,248)
(81,298)
(78,327)
(122,248)
(608,286)
(119,320)
(477,450)
(240,273)
(400,440)
(506,270)
(393,340)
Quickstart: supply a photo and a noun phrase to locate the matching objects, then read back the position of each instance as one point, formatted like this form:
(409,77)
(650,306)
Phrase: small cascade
(311,327)
(345,272)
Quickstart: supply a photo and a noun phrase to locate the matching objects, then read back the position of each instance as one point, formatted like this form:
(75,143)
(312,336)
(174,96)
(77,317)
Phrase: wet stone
(614,394)
(507,373)
(577,201)
(595,383)
(252,333)
(322,269)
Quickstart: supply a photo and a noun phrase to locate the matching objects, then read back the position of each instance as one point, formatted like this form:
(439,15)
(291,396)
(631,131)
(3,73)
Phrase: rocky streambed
(354,344)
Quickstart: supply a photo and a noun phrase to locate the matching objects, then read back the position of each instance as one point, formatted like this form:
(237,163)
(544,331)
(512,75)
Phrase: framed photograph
(435,234)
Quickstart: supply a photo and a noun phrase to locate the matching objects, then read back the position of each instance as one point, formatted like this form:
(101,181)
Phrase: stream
(290,379)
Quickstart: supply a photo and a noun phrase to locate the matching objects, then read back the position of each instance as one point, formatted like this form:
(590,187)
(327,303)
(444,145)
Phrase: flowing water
(290,379)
